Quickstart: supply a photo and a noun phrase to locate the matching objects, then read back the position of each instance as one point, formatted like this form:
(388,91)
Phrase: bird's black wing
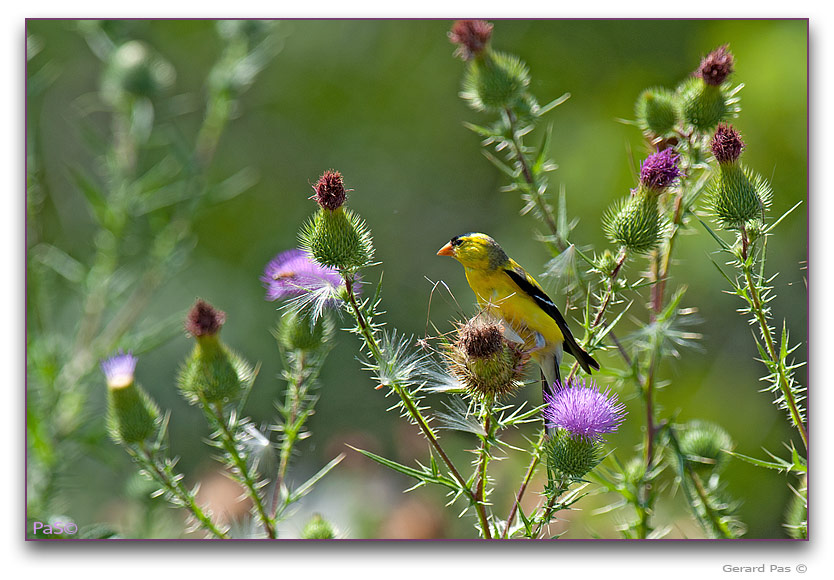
(544,302)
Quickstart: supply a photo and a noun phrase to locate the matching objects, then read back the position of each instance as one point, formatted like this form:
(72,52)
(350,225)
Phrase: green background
(378,101)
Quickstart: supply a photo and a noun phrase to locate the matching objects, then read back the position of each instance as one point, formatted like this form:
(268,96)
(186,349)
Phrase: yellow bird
(507,291)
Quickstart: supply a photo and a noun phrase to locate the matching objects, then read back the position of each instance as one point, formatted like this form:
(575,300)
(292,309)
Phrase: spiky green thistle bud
(318,529)
(635,222)
(703,444)
(606,263)
(486,363)
(737,195)
(336,237)
(704,99)
(634,471)
(657,111)
(296,331)
(703,105)
(213,372)
(131,414)
(572,455)
(495,81)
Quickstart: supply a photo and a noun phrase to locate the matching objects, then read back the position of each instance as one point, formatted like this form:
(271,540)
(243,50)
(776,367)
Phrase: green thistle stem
(549,509)
(536,458)
(518,150)
(483,459)
(295,394)
(755,299)
(373,346)
(663,272)
(146,458)
(227,439)
(525,482)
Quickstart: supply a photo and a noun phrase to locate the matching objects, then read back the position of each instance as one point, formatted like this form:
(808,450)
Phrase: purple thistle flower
(330,190)
(716,66)
(471,36)
(660,170)
(583,410)
(204,319)
(118,369)
(726,144)
(294,273)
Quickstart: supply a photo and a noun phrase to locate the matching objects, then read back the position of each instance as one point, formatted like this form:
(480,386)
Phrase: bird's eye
(456,242)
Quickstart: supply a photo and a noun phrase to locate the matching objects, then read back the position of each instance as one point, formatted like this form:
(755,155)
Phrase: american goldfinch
(507,291)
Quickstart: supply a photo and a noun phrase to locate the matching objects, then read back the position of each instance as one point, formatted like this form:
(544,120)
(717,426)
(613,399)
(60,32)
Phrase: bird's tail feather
(586,361)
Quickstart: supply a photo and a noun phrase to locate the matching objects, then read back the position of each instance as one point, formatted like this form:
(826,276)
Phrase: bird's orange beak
(446,250)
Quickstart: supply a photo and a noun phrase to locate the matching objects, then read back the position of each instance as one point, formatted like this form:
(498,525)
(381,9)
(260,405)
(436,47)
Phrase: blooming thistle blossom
(660,170)
(583,410)
(294,273)
(118,369)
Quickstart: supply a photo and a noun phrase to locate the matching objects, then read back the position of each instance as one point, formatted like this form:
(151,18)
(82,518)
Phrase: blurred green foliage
(378,100)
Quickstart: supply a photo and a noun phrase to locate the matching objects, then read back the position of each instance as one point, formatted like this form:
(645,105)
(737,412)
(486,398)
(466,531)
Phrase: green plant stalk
(755,300)
(518,151)
(145,458)
(227,439)
(534,461)
(660,264)
(549,509)
(525,482)
(483,459)
(295,394)
(373,347)
(663,271)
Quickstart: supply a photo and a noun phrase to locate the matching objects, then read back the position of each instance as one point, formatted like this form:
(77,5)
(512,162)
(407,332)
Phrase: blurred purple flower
(583,409)
(294,273)
(118,369)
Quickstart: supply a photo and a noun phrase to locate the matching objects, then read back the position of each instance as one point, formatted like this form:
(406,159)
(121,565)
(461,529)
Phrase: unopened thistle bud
(579,415)
(471,36)
(703,445)
(213,372)
(131,414)
(606,263)
(336,237)
(657,111)
(705,101)
(296,331)
(736,196)
(486,363)
(635,223)
(318,529)
(493,81)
